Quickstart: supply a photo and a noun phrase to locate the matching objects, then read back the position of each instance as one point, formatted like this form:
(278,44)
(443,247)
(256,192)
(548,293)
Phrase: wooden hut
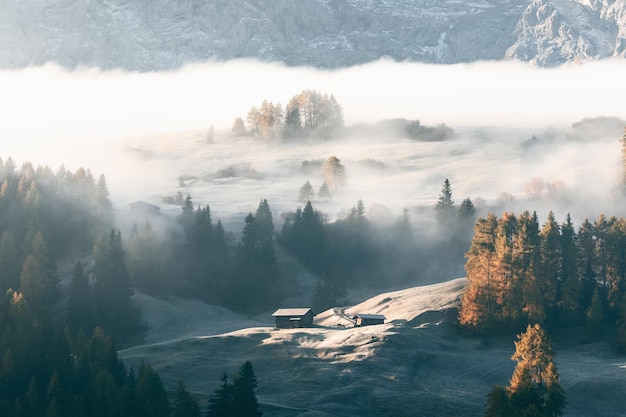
(291,318)
(143,208)
(368,319)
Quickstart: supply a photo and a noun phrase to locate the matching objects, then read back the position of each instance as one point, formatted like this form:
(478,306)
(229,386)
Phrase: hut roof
(291,312)
(369,316)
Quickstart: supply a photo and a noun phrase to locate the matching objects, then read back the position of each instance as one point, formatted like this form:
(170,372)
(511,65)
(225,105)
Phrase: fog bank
(88,117)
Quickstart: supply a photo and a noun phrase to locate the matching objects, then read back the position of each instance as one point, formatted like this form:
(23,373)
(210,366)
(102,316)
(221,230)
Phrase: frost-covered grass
(416,364)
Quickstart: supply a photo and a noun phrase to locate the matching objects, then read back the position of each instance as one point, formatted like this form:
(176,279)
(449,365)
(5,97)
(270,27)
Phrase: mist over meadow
(512,123)
(520,138)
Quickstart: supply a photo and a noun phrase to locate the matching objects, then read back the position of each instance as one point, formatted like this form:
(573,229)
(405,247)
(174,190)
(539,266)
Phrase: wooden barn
(143,208)
(292,318)
(368,319)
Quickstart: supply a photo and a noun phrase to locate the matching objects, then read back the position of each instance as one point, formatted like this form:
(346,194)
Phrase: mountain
(162,34)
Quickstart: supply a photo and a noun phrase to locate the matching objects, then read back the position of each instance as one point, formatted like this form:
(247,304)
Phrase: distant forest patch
(403,128)
(312,114)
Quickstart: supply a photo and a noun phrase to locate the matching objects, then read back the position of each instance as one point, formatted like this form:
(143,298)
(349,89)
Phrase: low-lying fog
(145,130)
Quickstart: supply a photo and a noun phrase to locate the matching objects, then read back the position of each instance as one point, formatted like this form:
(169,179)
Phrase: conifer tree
(479,296)
(310,239)
(151,393)
(324,192)
(184,404)
(597,314)
(445,212)
(467,213)
(265,223)
(249,238)
(186,218)
(244,384)
(551,270)
(112,290)
(293,121)
(266,253)
(587,261)
(9,262)
(601,228)
(221,402)
(526,256)
(32,403)
(103,207)
(145,259)
(615,262)
(506,291)
(80,303)
(497,403)
(357,216)
(38,281)
(535,389)
(306,193)
(570,293)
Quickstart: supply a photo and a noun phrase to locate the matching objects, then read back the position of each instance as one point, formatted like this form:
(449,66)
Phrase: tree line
(45,216)
(520,273)
(357,252)
(48,373)
(201,260)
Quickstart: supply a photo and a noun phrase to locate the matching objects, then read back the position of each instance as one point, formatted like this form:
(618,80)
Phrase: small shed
(141,207)
(368,319)
(292,318)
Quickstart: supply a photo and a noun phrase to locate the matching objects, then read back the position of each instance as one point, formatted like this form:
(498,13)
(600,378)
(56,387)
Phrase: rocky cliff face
(555,31)
(163,34)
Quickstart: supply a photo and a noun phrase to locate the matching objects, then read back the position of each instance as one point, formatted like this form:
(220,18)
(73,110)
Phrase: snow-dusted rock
(161,34)
(557,31)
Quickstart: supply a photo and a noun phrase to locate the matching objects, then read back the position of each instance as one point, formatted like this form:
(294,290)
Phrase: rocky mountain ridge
(162,34)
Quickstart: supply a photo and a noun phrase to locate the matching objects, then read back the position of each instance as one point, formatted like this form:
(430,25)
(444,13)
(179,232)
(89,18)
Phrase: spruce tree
(249,238)
(80,308)
(184,404)
(9,263)
(221,402)
(570,294)
(306,193)
(324,192)
(551,269)
(244,384)
(587,261)
(112,290)
(526,257)
(38,280)
(497,403)
(265,223)
(597,313)
(151,393)
(445,213)
(466,216)
(310,238)
(186,218)
(615,262)
(510,291)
